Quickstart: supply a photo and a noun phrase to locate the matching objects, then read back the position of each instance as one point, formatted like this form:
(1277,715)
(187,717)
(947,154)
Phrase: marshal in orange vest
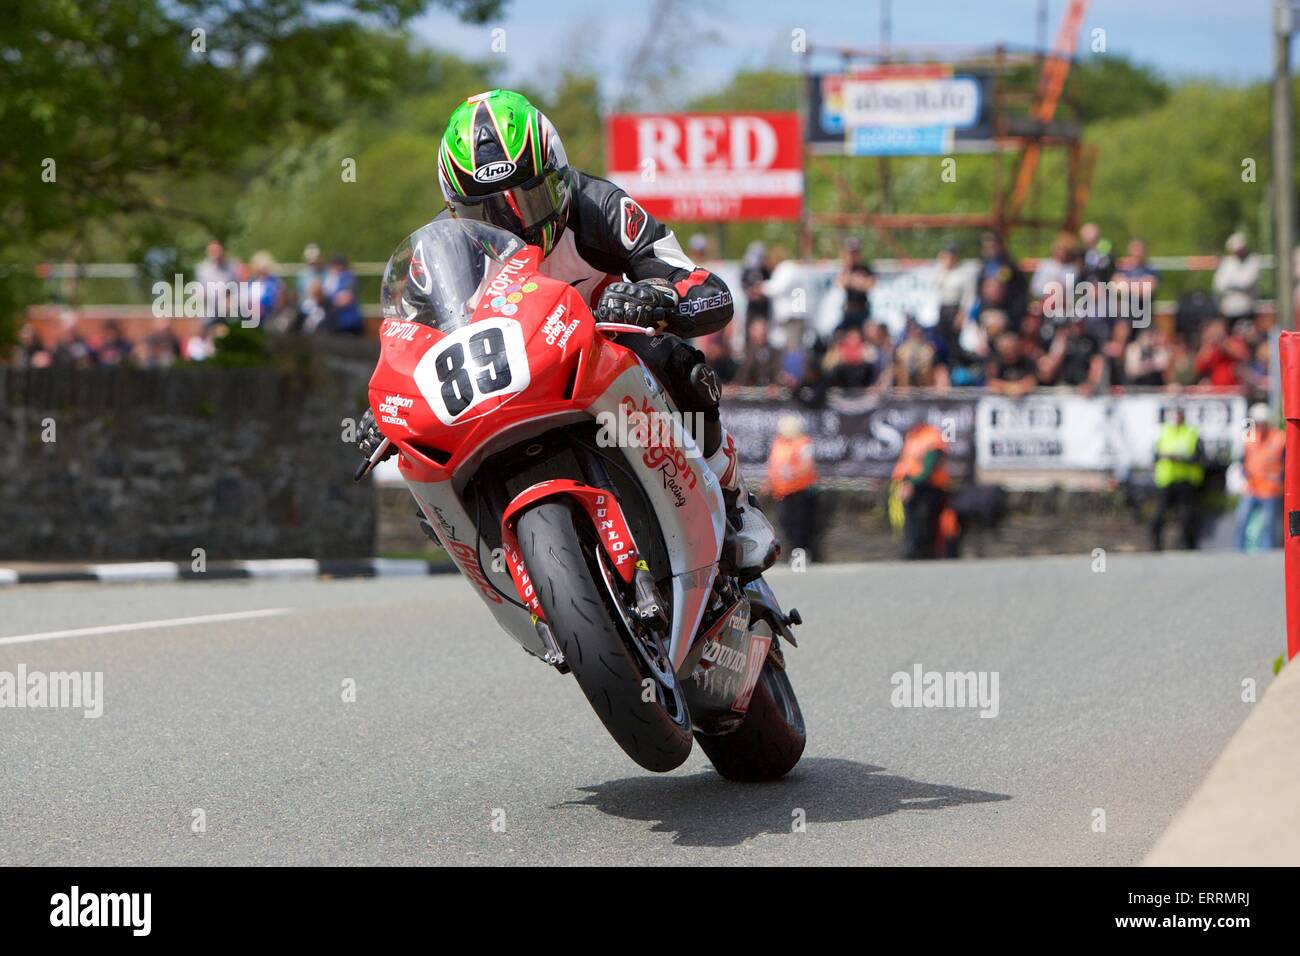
(922,439)
(1262,462)
(790,466)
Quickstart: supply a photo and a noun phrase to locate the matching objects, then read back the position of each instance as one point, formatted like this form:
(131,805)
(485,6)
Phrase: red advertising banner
(701,167)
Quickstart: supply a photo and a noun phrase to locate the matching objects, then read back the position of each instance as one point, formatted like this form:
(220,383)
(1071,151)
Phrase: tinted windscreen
(438,273)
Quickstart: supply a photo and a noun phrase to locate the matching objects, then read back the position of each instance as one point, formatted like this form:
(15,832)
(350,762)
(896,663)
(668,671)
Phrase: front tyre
(769,741)
(560,551)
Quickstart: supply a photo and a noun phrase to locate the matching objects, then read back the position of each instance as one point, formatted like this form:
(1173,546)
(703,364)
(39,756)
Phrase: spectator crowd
(996,328)
(1000,328)
(322,298)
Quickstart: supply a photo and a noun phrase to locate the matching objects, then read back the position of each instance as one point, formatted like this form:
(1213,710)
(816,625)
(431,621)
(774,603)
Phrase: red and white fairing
(531,359)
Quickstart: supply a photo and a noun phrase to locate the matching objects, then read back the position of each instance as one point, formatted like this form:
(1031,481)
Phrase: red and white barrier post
(1289,363)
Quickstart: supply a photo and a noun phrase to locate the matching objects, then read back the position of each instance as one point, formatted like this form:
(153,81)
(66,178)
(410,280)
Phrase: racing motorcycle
(542,458)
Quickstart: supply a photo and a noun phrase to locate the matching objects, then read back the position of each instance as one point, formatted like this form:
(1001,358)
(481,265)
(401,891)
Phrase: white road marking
(142,625)
(141,571)
(282,568)
(394,567)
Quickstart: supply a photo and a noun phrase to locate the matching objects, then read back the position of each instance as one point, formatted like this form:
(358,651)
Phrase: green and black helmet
(502,162)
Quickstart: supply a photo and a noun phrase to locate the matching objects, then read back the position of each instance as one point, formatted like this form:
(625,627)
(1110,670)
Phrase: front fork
(599,498)
(650,605)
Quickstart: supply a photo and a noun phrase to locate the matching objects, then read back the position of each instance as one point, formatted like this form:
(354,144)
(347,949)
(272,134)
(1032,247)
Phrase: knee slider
(707,388)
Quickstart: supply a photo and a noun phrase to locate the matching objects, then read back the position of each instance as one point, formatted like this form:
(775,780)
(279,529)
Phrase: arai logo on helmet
(491,172)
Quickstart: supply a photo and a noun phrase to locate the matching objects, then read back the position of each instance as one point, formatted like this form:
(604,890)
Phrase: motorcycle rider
(502,162)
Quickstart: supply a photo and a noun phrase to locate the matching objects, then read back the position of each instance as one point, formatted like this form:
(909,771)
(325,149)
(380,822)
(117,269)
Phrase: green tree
(1175,176)
(574,108)
(104,102)
(302,195)
(1106,87)
(753,90)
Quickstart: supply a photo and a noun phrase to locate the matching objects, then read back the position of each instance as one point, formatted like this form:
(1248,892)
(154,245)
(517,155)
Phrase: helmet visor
(523,210)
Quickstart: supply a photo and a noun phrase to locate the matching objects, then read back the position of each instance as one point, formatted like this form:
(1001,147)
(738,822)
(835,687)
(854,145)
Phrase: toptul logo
(493,172)
(507,274)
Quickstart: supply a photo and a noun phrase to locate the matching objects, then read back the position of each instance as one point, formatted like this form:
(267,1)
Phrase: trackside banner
(860,436)
(1076,432)
(709,166)
(854,436)
(899,110)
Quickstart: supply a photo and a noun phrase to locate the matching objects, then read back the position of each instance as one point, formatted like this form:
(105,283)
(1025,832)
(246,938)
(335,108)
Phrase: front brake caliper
(649,602)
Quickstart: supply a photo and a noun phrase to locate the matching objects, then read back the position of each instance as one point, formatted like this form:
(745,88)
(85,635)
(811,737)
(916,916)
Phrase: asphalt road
(1116,691)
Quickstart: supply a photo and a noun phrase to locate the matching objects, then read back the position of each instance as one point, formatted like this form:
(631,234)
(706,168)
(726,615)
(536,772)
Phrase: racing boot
(749,537)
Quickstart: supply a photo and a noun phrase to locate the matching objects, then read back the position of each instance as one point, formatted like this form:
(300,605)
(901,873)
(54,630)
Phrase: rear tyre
(560,552)
(769,741)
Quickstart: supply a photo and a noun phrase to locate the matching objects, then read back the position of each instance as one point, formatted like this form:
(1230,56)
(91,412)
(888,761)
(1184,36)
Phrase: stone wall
(151,464)
(855,525)
(248,463)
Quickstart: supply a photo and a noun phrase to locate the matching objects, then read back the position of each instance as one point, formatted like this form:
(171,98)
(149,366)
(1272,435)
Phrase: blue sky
(1227,40)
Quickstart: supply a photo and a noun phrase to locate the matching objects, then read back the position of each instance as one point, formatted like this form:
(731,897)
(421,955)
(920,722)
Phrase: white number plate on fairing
(485,359)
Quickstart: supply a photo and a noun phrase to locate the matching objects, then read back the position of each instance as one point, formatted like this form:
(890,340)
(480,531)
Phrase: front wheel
(560,550)
(769,741)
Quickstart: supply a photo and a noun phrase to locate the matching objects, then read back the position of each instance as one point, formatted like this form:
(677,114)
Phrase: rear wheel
(563,559)
(769,741)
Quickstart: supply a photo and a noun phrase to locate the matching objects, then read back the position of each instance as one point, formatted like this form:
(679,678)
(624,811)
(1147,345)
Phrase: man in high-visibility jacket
(921,475)
(1262,462)
(1179,474)
(791,476)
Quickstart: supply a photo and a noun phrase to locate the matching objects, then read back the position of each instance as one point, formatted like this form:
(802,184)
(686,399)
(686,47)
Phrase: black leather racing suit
(608,236)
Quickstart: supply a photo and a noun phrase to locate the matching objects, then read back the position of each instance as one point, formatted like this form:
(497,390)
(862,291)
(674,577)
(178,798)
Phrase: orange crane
(1048,94)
